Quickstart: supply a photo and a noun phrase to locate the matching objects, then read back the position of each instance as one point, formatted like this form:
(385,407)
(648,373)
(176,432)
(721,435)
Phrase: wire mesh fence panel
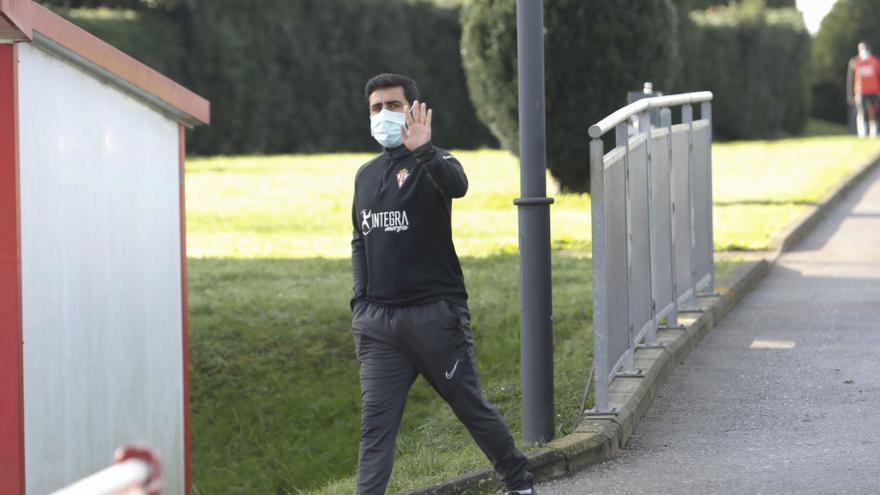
(640,275)
(701,149)
(681,218)
(616,255)
(652,229)
(661,210)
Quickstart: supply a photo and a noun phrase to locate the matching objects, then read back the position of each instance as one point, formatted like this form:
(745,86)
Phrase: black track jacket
(401,249)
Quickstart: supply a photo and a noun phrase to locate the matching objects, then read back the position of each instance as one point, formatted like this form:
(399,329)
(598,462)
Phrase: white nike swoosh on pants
(450,374)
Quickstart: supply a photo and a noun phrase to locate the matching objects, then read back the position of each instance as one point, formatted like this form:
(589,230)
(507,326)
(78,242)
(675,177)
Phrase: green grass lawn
(275,399)
(761,186)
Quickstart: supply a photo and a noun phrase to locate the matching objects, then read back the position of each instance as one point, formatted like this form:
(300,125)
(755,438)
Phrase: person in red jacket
(863,88)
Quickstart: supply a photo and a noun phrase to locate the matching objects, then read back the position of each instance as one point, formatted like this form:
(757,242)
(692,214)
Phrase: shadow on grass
(274,380)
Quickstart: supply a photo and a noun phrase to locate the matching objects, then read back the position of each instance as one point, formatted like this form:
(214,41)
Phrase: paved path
(802,416)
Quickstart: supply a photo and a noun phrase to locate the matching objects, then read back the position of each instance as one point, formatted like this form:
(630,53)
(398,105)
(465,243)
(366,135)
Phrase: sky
(814,11)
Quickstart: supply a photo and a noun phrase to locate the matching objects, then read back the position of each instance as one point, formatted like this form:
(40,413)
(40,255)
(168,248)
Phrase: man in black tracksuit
(409,309)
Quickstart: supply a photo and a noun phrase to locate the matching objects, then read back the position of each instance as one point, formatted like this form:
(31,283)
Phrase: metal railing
(136,472)
(652,229)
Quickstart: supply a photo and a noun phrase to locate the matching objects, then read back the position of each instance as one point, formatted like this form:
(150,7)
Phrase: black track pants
(394,346)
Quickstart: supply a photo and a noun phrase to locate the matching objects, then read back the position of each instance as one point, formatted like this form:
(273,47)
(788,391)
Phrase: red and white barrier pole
(136,472)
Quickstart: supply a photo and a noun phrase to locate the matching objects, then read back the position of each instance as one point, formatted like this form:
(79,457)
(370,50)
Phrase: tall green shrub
(756,61)
(596,50)
(849,22)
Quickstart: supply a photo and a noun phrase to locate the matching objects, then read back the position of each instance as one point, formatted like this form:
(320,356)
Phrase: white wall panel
(101,288)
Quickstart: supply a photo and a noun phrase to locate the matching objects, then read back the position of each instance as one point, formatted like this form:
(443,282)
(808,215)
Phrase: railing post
(666,121)
(706,113)
(600,264)
(533,208)
(645,123)
(621,138)
(687,117)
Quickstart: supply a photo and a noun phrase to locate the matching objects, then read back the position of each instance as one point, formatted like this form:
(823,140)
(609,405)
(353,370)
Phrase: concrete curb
(598,438)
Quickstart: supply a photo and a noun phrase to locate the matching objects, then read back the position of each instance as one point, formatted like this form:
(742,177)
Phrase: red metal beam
(185,307)
(15,20)
(11,372)
(20,18)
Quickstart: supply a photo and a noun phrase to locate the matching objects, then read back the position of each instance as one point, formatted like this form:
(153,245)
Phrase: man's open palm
(418,125)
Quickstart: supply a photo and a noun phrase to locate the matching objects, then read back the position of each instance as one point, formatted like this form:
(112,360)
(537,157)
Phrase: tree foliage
(596,50)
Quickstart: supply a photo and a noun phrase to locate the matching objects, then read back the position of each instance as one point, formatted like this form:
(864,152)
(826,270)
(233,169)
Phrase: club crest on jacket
(401,177)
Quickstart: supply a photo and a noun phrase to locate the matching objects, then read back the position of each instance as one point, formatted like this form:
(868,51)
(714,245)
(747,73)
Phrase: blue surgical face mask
(385,128)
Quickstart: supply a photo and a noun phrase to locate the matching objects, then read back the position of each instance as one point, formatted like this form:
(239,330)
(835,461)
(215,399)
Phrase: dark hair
(410,90)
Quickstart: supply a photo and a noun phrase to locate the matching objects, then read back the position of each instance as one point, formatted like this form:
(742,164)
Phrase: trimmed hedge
(755,60)
(596,50)
(154,38)
(288,76)
(849,22)
(296,84)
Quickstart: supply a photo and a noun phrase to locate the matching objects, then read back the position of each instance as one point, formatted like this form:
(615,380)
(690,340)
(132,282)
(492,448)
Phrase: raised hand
(418,125)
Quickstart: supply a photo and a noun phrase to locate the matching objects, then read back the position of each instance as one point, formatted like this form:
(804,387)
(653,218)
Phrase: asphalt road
(783,396)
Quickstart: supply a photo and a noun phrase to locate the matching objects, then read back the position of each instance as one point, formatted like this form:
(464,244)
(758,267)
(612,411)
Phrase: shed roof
(27,21)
